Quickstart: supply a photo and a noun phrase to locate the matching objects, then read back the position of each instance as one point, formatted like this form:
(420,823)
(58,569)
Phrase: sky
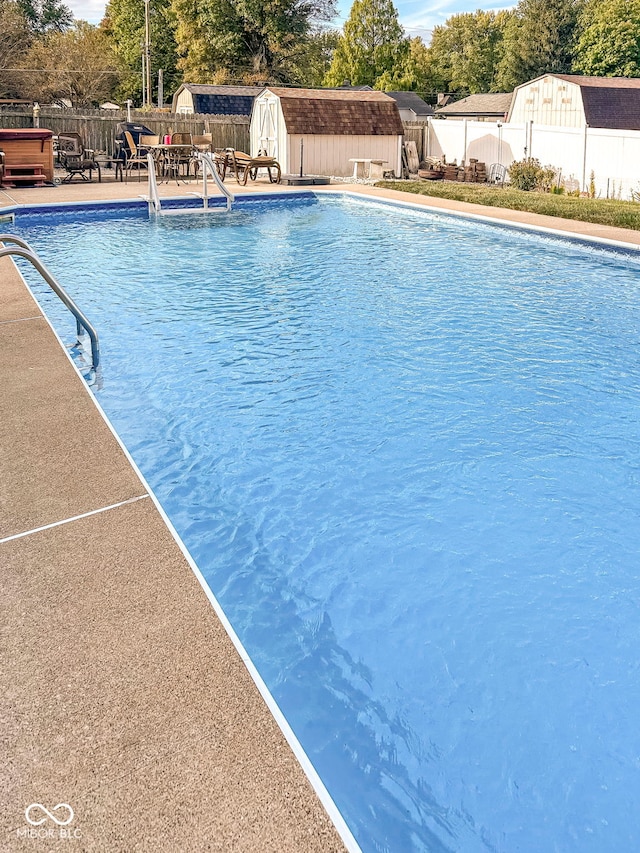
(418,17)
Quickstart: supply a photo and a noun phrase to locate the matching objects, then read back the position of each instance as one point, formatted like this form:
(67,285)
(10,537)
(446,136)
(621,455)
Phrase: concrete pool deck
(123,695)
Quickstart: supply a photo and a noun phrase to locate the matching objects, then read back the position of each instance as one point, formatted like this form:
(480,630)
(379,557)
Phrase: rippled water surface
(403,449)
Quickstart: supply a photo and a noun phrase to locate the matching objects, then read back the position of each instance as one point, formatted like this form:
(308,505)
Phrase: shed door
(269,127)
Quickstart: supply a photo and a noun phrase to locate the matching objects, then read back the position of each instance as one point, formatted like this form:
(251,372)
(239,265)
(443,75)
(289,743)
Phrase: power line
(62,70)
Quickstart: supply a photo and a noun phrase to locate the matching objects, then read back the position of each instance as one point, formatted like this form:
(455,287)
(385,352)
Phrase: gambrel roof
(609,102)
(339,112)
(221,100)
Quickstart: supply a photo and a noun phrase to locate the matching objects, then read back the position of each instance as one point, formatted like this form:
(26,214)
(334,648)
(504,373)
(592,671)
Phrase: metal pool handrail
(153,199)
(24,250)
(207,163)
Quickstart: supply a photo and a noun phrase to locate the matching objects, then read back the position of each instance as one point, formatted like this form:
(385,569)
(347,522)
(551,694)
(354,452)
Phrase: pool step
(24,173)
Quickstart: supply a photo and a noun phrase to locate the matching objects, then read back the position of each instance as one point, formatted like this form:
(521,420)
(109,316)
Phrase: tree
(311,62)
(466,51)
(608,43)
(372,43)
(45,16)
(15,37)
(415,74)
(538,40)
(251,40)
(124,24)
(78,65)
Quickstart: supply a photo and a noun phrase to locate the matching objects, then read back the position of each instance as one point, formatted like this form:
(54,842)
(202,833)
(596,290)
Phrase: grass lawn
(622,214)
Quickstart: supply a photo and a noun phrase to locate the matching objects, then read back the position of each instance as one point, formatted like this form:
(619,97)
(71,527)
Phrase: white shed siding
(184,101)
(548,101)
(330,154)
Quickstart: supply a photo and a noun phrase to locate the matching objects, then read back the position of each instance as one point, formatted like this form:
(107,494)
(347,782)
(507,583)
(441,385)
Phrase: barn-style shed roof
(338,112)
(220,100)
(609,102)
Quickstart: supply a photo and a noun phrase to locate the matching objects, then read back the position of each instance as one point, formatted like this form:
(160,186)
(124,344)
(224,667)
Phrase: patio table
(169,157)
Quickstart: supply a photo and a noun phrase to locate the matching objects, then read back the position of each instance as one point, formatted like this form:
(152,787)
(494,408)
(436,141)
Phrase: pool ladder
(23,250)
(205,160)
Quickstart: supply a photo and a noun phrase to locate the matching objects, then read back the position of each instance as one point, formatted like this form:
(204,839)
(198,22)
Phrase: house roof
(609,102)
(339,112)
(492,104)
(411,101)
(221,100)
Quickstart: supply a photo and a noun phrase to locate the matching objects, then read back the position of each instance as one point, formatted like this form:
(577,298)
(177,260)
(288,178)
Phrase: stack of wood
(431,169)
(475,172)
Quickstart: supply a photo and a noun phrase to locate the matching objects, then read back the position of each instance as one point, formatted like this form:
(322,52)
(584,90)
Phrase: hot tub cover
(24,133)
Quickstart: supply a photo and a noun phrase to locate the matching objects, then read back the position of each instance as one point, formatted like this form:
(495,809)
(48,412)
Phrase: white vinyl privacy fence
(613,156)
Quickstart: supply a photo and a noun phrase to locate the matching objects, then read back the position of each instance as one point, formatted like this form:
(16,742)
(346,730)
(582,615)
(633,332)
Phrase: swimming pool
(403,450)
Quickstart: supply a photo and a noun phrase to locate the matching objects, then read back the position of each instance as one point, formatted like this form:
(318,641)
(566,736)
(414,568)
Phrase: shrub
(528,174)
(524,174)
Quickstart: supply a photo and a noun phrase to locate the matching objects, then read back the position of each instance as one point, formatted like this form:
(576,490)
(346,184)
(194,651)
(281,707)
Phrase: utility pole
(144,74)
(147,52)
(160,89)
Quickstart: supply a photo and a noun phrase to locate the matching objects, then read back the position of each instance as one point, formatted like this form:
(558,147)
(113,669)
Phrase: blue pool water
(403,449)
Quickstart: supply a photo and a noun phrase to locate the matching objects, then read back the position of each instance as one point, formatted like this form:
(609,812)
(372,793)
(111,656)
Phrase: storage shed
(334,126)
(214,100)
(570,100)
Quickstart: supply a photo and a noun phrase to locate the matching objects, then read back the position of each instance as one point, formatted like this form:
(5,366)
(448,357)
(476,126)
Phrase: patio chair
(135,156)
(244,166)
(182,156)
(202,142)
(76,159)
(147,140)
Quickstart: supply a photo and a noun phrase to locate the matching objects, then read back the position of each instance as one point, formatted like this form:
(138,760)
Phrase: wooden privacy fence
(414,131)
(98,127)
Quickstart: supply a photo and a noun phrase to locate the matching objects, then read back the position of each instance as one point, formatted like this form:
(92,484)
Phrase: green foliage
(546,178)
(372,44)
(45,16)
(124,25)
(525,174)
(465,52)
(252,40)
(538,39)
(312,59)
(621,214)
(608,43)
(528,175)
(414,73)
